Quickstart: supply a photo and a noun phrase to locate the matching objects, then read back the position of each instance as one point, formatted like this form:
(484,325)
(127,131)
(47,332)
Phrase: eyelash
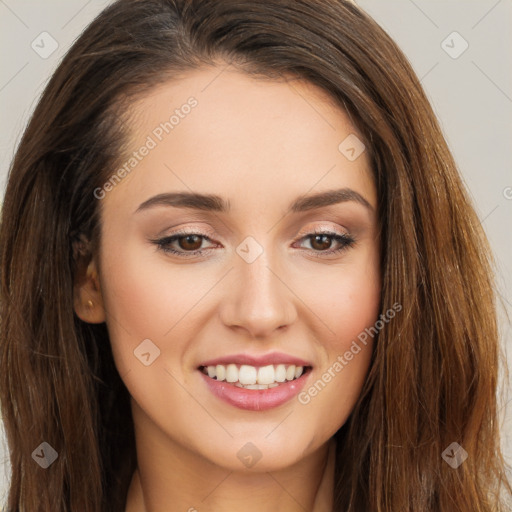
(163,244)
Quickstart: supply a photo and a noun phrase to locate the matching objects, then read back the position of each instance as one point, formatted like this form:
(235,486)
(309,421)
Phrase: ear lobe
(87,297)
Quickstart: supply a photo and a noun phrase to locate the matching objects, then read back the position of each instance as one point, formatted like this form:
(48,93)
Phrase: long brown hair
(433,375)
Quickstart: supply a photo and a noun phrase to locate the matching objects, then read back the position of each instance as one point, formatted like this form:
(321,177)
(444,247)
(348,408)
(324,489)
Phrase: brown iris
(323,244)
(190,242)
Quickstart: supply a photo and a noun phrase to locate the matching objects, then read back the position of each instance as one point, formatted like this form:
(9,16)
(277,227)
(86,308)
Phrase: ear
(87,297)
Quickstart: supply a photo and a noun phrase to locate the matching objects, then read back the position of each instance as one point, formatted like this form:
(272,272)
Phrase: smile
(253,377)
(255,383)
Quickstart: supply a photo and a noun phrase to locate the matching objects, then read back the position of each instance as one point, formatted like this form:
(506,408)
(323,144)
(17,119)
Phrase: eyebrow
(215,203)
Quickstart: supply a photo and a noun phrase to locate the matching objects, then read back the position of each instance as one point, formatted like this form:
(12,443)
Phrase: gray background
(471,95)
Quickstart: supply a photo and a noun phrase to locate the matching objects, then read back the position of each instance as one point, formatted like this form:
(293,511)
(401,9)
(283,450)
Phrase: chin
(257,453)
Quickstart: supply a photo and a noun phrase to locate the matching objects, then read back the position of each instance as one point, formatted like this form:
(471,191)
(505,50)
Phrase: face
(223,257)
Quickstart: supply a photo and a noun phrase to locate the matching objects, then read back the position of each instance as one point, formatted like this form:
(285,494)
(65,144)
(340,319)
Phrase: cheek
(141,300)
(349,312)
(345,298)
(354,306)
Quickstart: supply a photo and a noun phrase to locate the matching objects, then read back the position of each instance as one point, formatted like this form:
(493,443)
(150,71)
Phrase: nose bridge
(258,300)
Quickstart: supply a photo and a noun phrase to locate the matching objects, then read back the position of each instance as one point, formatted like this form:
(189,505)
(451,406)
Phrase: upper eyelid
(210,236)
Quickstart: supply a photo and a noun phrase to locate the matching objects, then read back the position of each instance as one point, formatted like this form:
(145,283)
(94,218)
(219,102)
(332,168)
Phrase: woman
(239,269)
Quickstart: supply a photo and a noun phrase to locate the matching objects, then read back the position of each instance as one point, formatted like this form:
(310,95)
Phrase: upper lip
(253,360)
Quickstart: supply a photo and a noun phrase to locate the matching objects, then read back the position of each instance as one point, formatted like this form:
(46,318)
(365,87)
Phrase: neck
(308,485)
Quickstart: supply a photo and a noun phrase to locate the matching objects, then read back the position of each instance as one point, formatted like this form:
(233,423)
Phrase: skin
(259,144)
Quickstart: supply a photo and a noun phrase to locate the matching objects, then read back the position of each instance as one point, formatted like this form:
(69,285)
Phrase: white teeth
(252,377)
(247,375)
(290,372)
(265,375)
(231,373)
(221,372)
(280,373)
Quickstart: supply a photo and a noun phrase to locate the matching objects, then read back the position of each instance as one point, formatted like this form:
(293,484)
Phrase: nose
(258,300)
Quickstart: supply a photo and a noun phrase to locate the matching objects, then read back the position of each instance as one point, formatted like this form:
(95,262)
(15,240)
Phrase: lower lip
(255,399)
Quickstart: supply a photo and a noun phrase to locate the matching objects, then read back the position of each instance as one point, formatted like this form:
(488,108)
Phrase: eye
(186,244)
(322,241)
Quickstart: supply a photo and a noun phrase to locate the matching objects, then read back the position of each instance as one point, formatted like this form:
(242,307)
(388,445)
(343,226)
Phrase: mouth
(255,377)
(255,383)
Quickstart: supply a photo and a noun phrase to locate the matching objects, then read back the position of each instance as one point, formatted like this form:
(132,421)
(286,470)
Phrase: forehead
(217,130)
